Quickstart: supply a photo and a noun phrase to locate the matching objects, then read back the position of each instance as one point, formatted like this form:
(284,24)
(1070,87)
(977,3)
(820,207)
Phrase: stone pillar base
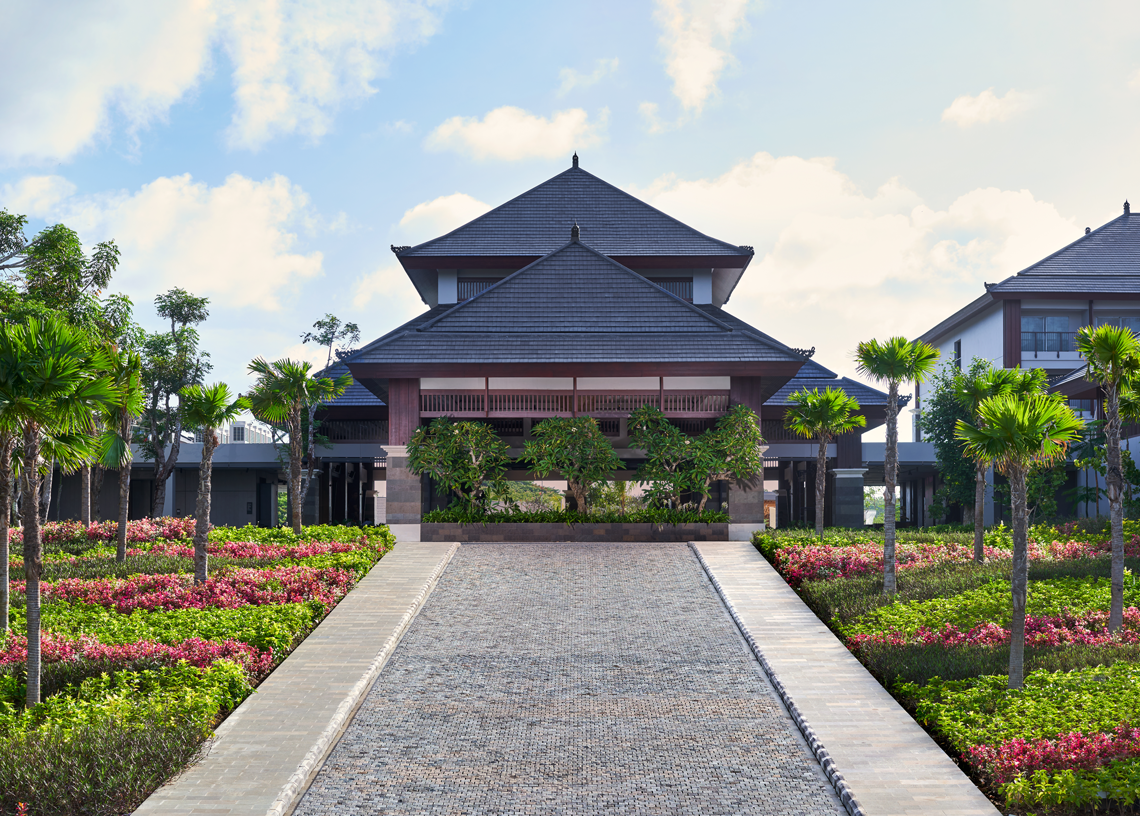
(405,533)
(405,497)
(849,497)
(743,532)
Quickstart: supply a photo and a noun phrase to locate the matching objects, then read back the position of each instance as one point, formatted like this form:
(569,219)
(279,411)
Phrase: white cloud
(35,196)
(439,216)
(969,110)
(651,115)
(294,65)
(296,62)
(572,79)
(835,265)
(696,38)
(232,243)
(389,285)
(75,64)
(510,133)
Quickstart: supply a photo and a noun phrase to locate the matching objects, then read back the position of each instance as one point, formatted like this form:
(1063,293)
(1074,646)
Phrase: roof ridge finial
(1127,207)
(575,232)
(574,160)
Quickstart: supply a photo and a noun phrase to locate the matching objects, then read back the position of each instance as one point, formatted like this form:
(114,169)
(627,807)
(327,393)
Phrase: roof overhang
(519,261)
(1070,295)
(963,315)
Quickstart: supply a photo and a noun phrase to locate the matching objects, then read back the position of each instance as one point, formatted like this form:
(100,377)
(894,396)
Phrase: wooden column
(403,410)
(746,391)
(1011,333)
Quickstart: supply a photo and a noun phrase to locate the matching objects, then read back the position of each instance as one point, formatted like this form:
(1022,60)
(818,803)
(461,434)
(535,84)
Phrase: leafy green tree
(1041,488)
(1019,432)
(670,455)
(125,373)
(282,395)
(894,362)
(732,449)
(822,415)
(941,410)
(329,331)
(1113,356)
(49,383)
(465,458)
(207,408)
(171,361)
(970,390)
(576,449)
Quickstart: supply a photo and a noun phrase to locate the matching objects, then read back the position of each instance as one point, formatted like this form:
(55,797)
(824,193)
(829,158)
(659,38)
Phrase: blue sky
(884,158)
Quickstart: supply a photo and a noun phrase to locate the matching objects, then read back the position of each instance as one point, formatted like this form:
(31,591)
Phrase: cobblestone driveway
(576,679)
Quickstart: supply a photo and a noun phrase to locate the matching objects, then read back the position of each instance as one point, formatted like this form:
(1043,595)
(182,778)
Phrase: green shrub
(1077,791)
(649,515)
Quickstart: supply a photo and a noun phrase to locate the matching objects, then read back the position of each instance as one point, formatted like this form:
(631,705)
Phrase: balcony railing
(1048,343)
(535,404)
(355,430)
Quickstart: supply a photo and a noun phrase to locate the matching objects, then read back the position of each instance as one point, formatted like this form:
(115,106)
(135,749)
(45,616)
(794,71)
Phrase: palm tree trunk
(1020,582)
(124,507)
(820,483)
(85,495)
(202,510)
(7,441)
(1114,478)
(44,500)
(33,557)
(295,454)
(890,471)
(979,512)
(98,473)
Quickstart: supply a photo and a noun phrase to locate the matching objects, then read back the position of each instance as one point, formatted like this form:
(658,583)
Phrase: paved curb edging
(297,783)
(834,775)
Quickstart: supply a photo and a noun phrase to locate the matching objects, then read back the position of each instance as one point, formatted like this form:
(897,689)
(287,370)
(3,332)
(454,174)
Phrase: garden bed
(1065,743)
(139,664)
(580,531)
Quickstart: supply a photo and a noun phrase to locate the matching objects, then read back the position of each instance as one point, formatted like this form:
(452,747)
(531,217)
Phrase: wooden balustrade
(536,404)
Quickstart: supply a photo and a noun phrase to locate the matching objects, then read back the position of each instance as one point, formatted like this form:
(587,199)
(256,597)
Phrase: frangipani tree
(207,408)
(822,415)
(1113,356)
(576,449)
(283,393)
(894,362)
(971,390)
(1018,432)
(465,458)
(50,383)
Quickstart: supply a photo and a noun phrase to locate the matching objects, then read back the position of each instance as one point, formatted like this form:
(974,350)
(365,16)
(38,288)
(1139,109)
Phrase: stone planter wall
(573,532)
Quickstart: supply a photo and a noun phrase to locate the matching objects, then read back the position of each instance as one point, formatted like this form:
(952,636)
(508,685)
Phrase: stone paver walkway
(890,764)
(576,679)
(266,751)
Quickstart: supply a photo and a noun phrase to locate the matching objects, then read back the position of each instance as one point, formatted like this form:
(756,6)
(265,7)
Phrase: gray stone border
(300,779)
(834,775)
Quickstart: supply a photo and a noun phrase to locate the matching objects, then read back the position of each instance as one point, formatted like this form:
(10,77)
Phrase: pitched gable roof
(1105,260)
(612,221)
(574,305)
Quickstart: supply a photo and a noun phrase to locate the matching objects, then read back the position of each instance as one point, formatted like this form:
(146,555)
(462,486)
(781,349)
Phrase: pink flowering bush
(195,651)
(235,588)
(1073,751)
(251,549)
(139,530)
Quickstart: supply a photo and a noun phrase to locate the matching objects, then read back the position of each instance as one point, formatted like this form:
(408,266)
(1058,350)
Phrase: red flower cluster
(147,529)
(1087,628)
(1072,751)
(195,651)
(250,549)
(233,589)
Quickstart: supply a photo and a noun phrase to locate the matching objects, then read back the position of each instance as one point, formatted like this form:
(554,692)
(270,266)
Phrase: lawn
(140,665)
(1064,744)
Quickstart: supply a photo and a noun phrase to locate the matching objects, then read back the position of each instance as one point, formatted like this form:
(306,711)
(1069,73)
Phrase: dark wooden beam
(387,371)
(1011,333)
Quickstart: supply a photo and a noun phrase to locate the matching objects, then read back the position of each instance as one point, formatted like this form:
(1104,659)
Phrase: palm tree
(822,415)
(894,362)
(1113,356)
(7,445)
(207,408)
(1019,432)
(971,390)
(115,441)
(49,383)
(284,390)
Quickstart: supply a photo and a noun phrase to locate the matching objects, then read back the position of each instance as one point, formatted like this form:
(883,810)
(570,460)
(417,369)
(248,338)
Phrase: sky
(884,159)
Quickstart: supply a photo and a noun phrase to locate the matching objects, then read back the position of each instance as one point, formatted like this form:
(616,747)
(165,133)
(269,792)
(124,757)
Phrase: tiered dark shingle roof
(813,376)
(574,305)
(1103,261)
(612,221)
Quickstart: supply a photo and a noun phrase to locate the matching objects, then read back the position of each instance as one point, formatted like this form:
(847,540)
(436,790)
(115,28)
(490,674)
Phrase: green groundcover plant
(1064,744)
(140,664)
(647,515)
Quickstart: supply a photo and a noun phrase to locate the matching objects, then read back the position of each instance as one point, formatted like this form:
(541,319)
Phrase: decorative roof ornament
(747,249)
(574,161)
(809,353)
(1127,207)
(575,232)
(1088,230)
(398,249)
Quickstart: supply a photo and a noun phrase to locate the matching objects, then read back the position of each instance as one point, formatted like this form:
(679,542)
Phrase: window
(467,288)
(681,287)
(1132,323)
(958,354)
(1047,333)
